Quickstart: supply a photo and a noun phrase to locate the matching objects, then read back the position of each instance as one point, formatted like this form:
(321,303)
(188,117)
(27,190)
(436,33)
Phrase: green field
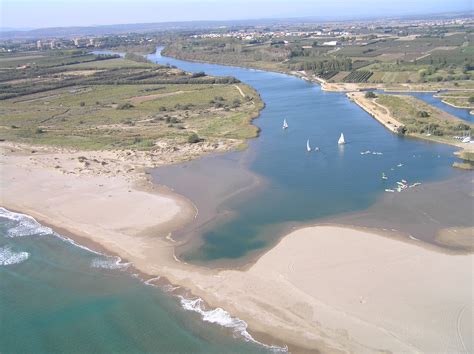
(118,103)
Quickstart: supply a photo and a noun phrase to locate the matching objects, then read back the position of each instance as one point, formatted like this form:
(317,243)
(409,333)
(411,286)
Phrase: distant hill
(128,28)
(77,31)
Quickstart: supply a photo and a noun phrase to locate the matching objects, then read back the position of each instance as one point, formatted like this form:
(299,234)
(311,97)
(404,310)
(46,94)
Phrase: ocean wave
(25,225)
(8,257)
(28,226)
(223,318)
(109,263)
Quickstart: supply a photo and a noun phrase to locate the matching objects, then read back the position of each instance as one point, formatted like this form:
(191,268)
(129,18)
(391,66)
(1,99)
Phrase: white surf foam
(8,257)
(223,318)
(25,225)
(109,263)
(28,226)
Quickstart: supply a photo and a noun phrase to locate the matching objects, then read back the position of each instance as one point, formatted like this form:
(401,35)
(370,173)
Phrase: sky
(63,13)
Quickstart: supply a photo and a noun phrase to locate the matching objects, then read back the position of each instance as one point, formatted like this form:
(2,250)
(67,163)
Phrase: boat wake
(9,257)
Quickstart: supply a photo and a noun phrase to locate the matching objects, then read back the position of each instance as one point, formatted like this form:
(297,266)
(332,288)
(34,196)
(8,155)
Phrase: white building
(331,43)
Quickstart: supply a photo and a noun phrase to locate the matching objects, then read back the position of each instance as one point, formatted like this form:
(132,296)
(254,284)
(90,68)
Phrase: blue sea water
(56,297)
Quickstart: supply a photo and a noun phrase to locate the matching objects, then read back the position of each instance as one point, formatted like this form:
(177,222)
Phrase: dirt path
(240,90)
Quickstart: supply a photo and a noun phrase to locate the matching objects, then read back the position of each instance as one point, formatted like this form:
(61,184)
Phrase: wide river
(298,187)
(56,297)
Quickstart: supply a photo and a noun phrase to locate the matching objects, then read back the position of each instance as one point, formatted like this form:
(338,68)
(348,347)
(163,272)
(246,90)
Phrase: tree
(370,94)
(422,114)
(471,99)
(401,130)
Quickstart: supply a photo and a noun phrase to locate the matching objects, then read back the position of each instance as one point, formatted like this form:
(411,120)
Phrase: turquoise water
(57,298)
(302,187)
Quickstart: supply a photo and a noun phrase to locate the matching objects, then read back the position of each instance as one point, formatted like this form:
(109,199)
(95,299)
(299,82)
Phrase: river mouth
(248,200)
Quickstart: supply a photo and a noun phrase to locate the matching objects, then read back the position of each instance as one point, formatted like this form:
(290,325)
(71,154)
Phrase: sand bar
(325,288)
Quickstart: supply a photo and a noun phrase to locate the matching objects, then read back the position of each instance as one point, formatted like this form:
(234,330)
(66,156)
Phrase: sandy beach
(327,288)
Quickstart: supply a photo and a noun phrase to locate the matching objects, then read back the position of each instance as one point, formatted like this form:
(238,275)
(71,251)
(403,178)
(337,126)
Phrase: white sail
(341,140)
(308,147)
(285,124)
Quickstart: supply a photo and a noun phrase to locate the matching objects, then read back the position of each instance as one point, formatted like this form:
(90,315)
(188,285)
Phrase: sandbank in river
(327,288)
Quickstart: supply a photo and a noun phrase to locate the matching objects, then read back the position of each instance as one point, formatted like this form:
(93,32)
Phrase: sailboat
(384,176)
(285,124)
(308,147)
(341,140)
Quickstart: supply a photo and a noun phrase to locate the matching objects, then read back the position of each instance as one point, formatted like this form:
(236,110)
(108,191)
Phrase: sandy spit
(324,288)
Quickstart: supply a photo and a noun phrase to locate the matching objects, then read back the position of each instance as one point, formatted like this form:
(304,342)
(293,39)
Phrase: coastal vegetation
(421,119)
(80,100)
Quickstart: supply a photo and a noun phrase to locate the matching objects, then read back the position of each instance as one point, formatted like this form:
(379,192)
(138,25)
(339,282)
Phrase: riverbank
(310,288)
(387,118)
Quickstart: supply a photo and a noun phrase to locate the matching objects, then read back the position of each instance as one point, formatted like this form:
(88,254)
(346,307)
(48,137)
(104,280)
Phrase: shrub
(471,99)
(401,130)
(82,104)
(172,120)
(199,74)
(422,114)
(39,131)
(125,106)
(236,103)
(370,94)
(193,138)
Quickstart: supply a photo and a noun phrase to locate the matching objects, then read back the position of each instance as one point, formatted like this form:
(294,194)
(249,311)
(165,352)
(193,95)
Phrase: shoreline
(385,118)
(325,333)
(246,293)
(226,288)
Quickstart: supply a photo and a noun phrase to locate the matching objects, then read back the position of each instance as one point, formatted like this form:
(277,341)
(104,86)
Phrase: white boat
(390,190)
(466,140)
(308,147)
(384,176)
(341,140)
(285,124)
(316,148)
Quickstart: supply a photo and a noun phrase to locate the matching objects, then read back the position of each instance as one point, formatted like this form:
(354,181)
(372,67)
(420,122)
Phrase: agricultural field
(421,55)
(117,103)
(358,76)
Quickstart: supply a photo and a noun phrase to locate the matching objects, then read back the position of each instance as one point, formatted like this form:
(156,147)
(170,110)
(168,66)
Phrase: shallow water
(300,186)
(57,298)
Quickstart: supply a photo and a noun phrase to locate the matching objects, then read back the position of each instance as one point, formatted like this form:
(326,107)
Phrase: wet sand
(425,213)
(207,182)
